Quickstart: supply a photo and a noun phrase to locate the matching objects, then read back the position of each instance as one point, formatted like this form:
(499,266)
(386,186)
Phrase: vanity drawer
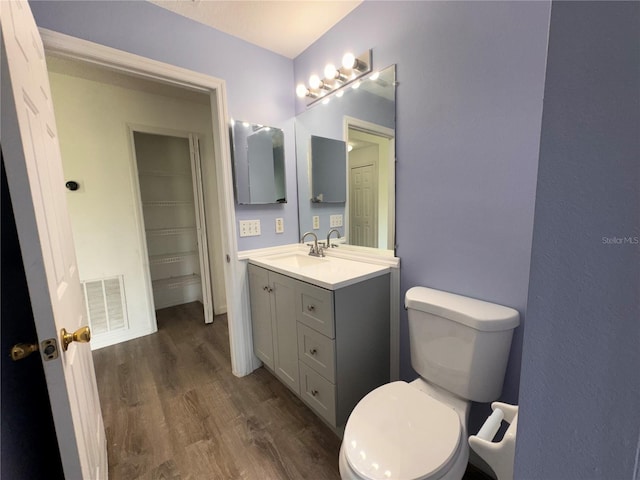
(318,393)
(315,308)
(317,351)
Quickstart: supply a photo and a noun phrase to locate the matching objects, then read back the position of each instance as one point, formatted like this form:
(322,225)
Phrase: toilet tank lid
(478,314)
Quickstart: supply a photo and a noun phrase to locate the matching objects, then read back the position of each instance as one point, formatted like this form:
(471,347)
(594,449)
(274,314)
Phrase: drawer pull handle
(313,351)
(314,392)
(311,308)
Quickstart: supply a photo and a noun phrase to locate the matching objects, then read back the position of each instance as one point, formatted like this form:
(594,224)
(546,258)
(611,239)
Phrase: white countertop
(328,272)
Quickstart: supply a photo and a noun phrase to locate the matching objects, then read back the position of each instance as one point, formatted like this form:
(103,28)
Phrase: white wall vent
(105,304)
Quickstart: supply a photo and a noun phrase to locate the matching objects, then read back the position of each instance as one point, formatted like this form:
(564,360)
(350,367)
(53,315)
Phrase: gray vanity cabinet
(285,340)
(261,315)
(331,347)
(273,320)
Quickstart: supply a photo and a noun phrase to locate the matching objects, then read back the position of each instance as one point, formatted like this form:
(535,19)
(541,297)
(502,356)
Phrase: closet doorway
(172,204)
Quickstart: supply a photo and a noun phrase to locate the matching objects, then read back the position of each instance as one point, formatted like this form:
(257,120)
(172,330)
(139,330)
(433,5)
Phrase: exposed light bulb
(374,76)
(349,60)
(330,71)
(301,90)
(315,82)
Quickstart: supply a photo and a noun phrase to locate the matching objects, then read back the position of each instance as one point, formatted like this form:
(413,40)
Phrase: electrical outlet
(279,225)
(249,228)
(335,221)
(316,222)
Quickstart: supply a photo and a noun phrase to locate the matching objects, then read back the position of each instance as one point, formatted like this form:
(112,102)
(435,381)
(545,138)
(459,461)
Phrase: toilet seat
(397,431)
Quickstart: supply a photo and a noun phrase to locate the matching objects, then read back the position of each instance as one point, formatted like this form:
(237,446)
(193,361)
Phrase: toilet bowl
(420,437)
(418,430)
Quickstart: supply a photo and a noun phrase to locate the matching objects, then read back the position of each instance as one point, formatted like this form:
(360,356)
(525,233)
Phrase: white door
(34,172)
(363,208)
(201,228)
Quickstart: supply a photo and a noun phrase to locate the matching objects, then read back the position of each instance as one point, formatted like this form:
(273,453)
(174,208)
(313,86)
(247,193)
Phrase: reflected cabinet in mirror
(352,188)
(258,163)
(328,170)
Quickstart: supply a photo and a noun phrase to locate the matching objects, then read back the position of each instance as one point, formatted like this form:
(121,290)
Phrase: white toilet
(415,431)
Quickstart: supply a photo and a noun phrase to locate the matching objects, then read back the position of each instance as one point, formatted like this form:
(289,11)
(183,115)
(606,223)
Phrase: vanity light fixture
(302,91)
(351,62)
(353,68)
(332,73)
(316,84)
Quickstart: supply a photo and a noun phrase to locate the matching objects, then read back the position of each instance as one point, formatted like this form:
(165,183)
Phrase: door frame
(380,131)
(242,359)
(198,191)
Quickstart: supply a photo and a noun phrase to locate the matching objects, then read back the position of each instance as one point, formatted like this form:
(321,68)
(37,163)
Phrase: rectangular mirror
(328,170)
(362,120)
(258,163)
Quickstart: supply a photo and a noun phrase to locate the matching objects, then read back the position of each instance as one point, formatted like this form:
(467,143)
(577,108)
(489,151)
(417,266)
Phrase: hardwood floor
(173,410)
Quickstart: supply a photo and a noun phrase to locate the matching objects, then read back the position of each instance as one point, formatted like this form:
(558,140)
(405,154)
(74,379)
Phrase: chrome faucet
(329,235)
(316,250)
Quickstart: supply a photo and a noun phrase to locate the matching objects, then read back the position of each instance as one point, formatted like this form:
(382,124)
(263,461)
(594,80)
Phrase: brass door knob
(82,335)
(23,350)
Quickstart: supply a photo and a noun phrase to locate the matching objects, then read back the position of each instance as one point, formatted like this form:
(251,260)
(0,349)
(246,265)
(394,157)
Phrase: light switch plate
(279,225)
(335,221)
(249,228)
(316,222)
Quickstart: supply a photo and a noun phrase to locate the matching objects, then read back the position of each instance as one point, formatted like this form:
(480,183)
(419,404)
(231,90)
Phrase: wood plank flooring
(173,410)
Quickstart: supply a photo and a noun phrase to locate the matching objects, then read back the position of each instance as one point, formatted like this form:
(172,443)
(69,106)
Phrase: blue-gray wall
(259,82)
(469,109)
(580,391)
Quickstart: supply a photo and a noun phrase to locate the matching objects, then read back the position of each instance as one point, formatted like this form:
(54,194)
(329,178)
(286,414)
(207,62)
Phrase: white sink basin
(326,272)
(297,260)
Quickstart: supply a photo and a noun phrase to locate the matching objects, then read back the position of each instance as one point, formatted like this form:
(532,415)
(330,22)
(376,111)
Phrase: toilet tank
(458,343)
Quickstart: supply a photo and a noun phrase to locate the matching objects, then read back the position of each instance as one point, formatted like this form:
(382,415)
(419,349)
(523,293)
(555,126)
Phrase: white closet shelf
(167,203)
(176,282)
(159,232)
(170,258)
(163,173)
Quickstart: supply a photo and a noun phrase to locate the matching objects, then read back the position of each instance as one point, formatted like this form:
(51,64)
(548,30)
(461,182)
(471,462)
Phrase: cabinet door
(286,335)
(261,314)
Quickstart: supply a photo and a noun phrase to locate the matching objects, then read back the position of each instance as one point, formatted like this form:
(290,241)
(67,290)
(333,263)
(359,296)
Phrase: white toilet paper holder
(499,455)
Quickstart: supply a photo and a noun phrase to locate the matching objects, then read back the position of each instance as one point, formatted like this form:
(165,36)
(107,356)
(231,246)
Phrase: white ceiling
(284,27)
